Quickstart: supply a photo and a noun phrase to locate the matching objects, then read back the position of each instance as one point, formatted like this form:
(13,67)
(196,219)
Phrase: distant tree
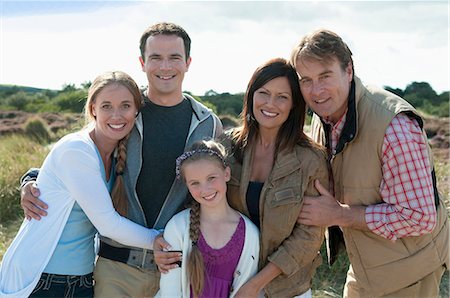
(18,100)
(68,87)
(36,102)
(396,91)
(226,103)
(205,102)
(72,101)
(415,100)
(421,89)
(9,90)
(50,93)
(86,84)
(444,96)
(211,92)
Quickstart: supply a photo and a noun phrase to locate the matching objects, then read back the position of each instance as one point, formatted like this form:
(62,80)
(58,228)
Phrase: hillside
(14,121)
(438,129)
(15,88)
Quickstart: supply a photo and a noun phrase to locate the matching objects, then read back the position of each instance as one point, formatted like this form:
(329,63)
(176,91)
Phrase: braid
(118,194)
(194,225)
(196,266)
(122,154)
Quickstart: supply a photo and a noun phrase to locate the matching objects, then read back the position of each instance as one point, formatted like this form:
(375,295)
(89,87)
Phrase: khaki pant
(424,288)
(116,279)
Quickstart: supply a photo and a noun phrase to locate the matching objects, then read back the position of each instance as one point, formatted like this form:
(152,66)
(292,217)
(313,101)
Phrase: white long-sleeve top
(70,173)
(176,282)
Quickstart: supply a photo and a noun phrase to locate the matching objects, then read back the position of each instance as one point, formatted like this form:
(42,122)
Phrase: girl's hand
(247,291)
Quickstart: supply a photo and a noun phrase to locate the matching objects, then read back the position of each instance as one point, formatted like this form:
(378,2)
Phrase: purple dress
(220,264)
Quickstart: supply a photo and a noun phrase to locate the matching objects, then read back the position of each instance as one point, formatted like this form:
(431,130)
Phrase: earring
(250,118)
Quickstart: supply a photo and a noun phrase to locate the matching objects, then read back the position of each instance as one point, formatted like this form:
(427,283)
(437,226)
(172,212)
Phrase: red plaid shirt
(406,187)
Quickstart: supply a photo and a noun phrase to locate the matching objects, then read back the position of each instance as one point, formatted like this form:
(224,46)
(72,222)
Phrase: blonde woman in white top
(55,256)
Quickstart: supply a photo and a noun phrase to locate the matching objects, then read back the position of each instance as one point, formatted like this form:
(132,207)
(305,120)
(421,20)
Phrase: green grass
(7,232)
(329,281)
(17,154)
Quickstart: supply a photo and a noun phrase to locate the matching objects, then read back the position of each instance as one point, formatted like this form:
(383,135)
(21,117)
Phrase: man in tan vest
(383,197)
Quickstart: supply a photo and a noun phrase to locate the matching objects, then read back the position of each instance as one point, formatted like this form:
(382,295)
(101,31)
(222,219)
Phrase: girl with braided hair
(220,246)
(54,257)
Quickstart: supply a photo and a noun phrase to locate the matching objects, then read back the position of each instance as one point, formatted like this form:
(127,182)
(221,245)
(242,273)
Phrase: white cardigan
(176,282)
(70,173)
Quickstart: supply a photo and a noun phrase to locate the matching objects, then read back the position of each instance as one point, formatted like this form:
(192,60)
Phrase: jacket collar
(200,112)
(285,163)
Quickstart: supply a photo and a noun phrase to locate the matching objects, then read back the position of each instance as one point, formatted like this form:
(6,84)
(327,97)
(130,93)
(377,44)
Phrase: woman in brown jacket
(273,166)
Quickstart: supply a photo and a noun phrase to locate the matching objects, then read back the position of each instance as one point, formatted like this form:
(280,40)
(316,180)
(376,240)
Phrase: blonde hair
(195,263)
(200,150)
(118,194)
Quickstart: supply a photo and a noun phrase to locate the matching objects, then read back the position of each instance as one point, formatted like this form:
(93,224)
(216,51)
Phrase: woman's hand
(31,205)
(164,258)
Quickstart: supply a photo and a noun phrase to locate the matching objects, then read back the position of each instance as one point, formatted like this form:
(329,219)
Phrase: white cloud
(394,43)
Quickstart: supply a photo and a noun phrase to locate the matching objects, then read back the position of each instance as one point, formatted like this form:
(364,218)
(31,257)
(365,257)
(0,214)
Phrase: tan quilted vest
(381,266)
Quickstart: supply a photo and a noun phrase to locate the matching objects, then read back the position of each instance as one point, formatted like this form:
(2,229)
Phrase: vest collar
(350,127)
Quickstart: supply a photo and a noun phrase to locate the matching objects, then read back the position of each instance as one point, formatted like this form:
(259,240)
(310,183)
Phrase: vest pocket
(382,262)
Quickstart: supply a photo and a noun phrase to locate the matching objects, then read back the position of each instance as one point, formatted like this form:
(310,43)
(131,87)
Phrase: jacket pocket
(283,209)
(284,197)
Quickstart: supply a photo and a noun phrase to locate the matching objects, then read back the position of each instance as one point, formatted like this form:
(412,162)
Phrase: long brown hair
(200,150)
(118,194)
(291,132)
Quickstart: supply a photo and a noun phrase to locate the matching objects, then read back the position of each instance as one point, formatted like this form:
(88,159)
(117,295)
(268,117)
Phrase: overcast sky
(47,44)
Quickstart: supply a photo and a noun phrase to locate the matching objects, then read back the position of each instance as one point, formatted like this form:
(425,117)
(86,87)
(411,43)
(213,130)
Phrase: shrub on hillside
(71,101)
(37,129)
(229,121)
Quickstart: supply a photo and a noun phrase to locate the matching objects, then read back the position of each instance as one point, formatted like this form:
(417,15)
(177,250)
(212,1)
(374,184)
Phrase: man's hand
(322,211)
(31,205)
(325,211)
(164,258)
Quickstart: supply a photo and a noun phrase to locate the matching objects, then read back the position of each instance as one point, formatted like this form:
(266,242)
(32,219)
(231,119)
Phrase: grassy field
(18,153)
